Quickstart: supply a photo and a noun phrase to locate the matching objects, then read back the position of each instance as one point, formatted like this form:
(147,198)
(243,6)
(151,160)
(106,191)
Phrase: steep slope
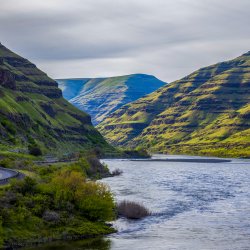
(101,96)
(207,112)
(34,113)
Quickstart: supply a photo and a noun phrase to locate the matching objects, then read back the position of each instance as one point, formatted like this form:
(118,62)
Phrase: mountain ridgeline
(206,113)
(33,112)
(100,97)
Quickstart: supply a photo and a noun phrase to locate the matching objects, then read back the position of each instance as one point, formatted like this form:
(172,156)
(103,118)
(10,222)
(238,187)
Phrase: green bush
(59,201)
(84,164)
(6,163)
(35,150)
(26,186)
(96,202)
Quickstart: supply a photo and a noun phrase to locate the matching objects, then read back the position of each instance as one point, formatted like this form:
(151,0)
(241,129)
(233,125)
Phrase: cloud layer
(166,38)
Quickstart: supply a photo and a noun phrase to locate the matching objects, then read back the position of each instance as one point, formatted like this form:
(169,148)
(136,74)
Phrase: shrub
(25,186)
(96,202)
(132,210)
(39,203)
(6,163)
(93,200)
(137,153)
(6,198)
(65,186)
(116,172)
(85,166)
(35,150)
(96,169)
(51,216)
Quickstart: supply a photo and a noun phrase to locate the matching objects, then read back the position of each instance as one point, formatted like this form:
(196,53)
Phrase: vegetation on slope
(101,96)
(204,113)
(34,115)
(54,202)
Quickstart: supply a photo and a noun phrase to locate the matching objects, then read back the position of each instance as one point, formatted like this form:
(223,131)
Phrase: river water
(195,205)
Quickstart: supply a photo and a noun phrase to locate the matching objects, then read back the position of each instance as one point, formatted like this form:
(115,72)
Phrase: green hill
(33,112)
(99,97)
(206,113)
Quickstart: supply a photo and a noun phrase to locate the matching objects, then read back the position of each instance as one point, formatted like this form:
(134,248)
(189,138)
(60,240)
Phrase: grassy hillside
(34,114)
(207,113)
(101,96)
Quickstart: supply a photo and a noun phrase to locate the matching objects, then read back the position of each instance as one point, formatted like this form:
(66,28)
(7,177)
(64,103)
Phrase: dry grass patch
(132,210)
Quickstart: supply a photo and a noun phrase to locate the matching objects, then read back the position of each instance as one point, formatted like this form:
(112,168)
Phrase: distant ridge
(206,113)
(101,96)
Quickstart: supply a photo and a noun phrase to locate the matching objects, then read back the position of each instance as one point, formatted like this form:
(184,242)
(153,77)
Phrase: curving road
(6,174)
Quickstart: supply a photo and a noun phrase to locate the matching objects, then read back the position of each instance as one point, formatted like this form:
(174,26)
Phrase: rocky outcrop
(19,74)
(7,79)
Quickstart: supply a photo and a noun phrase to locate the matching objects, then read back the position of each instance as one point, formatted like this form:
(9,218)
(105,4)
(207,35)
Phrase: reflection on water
(87,244)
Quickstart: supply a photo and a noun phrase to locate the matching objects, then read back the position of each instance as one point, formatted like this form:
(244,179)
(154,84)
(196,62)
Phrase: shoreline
(42,241)
(184,160)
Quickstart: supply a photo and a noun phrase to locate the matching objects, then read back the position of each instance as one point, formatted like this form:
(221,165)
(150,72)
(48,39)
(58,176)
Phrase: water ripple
(194,205)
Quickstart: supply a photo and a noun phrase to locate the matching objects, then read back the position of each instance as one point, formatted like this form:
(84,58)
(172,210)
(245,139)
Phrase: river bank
(195,205)
(56,202)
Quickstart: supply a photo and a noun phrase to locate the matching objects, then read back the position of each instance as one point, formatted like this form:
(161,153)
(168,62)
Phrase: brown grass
(132,210)
(116,172)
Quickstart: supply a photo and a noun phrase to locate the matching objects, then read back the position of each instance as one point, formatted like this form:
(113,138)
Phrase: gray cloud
(167,38)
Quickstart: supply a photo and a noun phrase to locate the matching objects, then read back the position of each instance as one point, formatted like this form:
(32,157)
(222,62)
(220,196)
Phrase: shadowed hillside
(33,113)
(101,96)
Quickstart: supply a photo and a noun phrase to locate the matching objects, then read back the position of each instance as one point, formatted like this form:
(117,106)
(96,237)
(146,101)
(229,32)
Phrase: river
(195,205)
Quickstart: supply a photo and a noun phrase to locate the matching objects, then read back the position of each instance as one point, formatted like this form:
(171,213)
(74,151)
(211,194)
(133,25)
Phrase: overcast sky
(91,38)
